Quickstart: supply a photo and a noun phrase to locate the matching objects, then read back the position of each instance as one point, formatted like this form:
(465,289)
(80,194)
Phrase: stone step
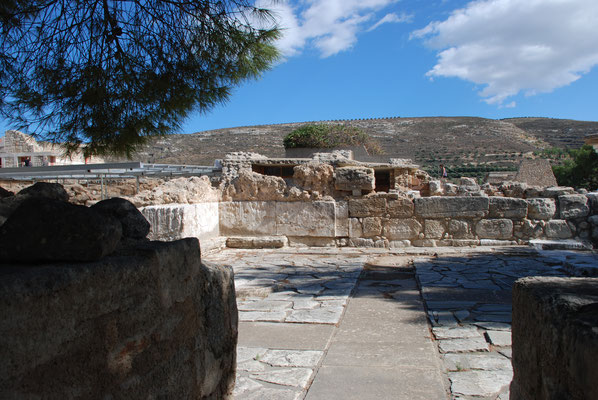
(567,244)
(261,242)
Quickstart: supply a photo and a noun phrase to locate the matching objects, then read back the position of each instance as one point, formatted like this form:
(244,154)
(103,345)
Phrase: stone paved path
(314,324)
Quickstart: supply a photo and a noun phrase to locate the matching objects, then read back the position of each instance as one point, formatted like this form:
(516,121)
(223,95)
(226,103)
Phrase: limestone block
(494,228)
(558,229)
(424,243)
(247,218)
(372,226)
(400,208)
(394,244)
(573,206)
(460,229)
(367,207)
(306,241)
(451,207)
(555,192)
(529,229)
(342,219)
(306,218)
(355,228)
(433,229)
(156,323)
(263,242)
(458,242)
(354,178)
(177,221)
(507,207)
(401,229)
(435,188)
(541,208)
(555,338)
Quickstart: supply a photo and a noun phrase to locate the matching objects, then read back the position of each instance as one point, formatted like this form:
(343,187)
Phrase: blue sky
(346,59)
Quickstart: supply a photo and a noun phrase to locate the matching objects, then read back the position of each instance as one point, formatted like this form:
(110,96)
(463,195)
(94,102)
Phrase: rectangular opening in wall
(382,180)
(283,171)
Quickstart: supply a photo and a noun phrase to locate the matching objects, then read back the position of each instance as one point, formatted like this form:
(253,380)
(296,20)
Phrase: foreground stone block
(400,208)
(247,218)
(367,207)
(494,229)
(573,206)
(314,219)
(557,229)
(451,207)
(265,242)
(507,207)
(538,208)
(154,323)
(402,229)
(555,338)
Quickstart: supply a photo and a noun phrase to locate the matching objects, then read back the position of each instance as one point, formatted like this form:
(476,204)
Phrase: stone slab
(311,219)
(285,335)
(451,207)
(247,218)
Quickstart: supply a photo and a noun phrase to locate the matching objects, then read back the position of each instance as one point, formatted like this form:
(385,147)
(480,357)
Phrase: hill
(467,145)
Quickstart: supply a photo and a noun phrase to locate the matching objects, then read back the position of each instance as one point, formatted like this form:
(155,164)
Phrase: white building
(20,150)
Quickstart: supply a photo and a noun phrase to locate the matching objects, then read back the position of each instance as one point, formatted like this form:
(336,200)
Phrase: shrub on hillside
(580,171)
(330,136)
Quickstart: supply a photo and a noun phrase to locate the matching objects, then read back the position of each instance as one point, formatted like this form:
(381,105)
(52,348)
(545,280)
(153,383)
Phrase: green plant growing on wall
(330,136)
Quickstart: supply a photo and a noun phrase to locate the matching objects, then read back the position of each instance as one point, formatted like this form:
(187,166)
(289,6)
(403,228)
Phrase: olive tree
(111,73)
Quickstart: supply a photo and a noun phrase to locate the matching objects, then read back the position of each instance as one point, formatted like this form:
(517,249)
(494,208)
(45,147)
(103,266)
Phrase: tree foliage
(580,171)
(330,136)
(111,73)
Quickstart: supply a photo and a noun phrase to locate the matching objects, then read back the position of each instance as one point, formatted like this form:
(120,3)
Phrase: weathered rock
(247,218)
(355,228)
(367,207)
(42,230)
(494,228)
(134,224)
(46,190)
(451,207)
(400,229)
(529,230)
(513,189)
(460,229)
(573,206)
(435,188)
(178,191)
(593,201)
(555,338)
(540,208)
(400,208)
(263,242)
(305,219)
(342,218)
(434,229)
(154,324)
(178,221)
(555,192)
(507,207)
(354,178)
(557,229)
(372,226)
(315,176)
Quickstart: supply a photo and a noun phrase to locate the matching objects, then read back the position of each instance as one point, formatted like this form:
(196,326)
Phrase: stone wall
(555,338)
(389,220)
(153,322)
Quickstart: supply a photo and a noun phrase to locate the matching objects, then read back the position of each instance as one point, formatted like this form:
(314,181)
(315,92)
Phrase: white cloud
(392,18)
(513,46)
(331,26)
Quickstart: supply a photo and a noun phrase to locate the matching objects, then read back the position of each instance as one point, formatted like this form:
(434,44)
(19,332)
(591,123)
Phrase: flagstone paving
(315,324)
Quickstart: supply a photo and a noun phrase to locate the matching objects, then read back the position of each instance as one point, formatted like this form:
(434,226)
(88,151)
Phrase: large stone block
(434,229)
(507,207)
(248,218)
(372,226)
(573,206)
(555,338)
(593,202)
(451,207)
(539,208)
(367,207)
(494,228)
(354,178)
(557,229)
(306,218)
(177,221)
(400,208)
(402,229)
(155,323)
(460,229)
(355,228)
